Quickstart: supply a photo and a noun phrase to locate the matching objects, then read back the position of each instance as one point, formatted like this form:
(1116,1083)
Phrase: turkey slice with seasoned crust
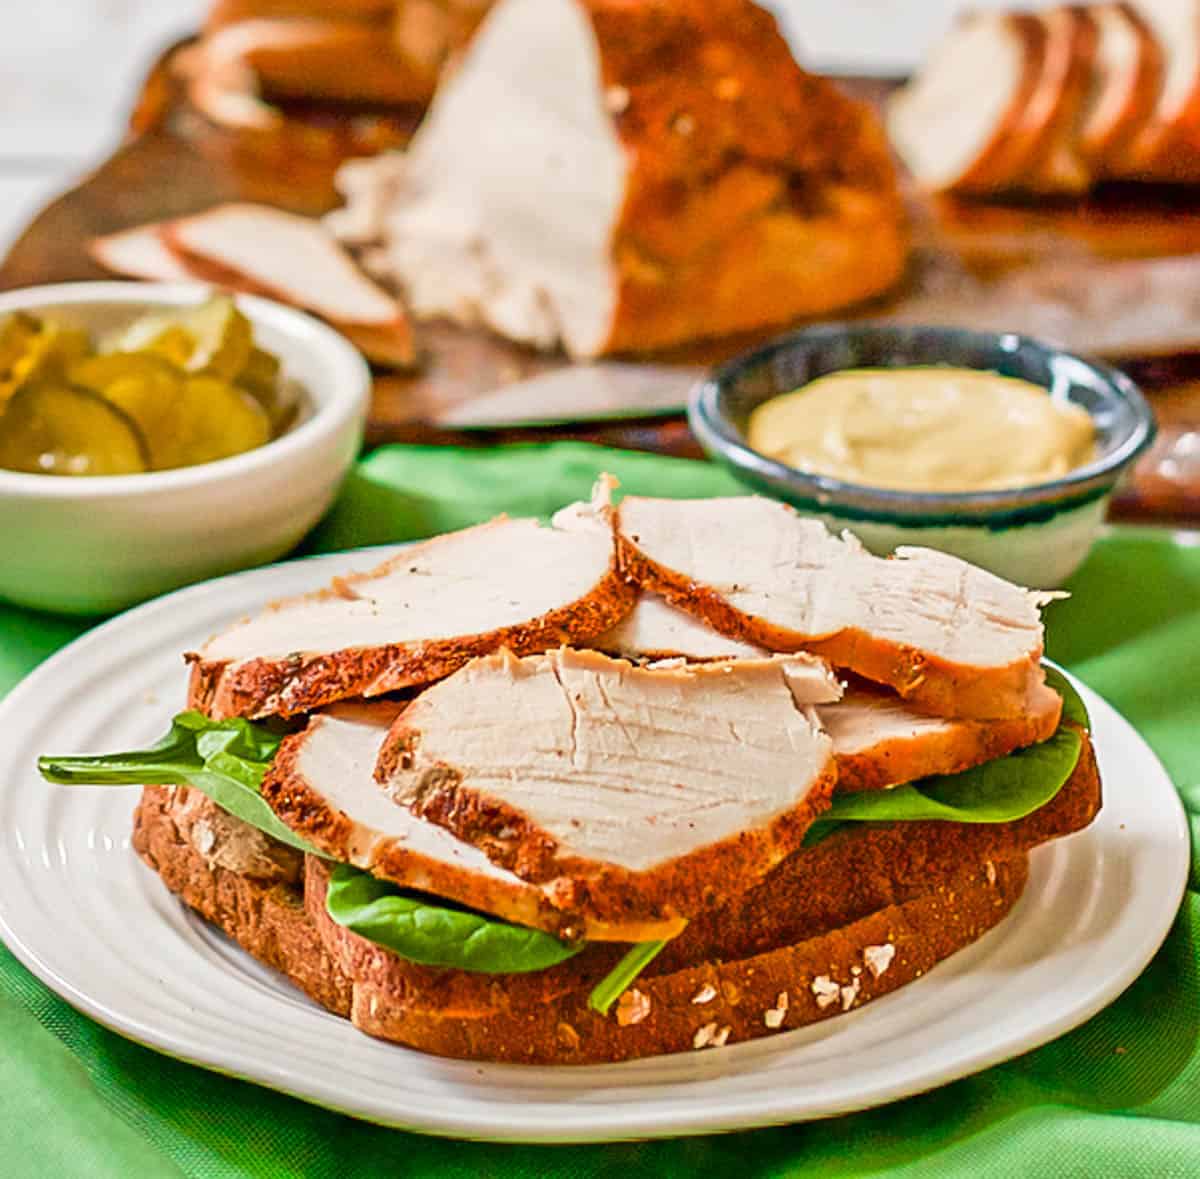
(620,789)
(879,741)
(322,785)
(414,619)
(949,637)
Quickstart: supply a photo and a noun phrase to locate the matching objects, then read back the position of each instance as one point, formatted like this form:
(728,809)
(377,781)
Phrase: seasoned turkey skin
(879,740)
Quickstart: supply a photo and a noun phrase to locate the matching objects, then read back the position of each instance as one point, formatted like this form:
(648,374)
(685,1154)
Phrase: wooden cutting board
(1109,274)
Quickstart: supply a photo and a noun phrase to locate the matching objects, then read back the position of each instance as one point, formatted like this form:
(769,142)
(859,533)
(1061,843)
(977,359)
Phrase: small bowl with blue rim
(1035,535)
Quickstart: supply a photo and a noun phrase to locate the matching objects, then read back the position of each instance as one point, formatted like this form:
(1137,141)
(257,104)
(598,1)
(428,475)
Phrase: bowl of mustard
(996,447)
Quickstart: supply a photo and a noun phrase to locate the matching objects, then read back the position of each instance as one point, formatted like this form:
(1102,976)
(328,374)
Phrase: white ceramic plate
(84,914)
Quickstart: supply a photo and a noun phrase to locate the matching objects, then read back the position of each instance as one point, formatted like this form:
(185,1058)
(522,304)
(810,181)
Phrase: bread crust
(419,1007)
(260,906)
(289,686)
(665,1013)
(852,873)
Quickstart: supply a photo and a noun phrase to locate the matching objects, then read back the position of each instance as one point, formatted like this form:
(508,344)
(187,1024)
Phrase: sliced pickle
(99,373)
(17,333)
(145,333)
(184,387)
(260,376)
(46,356)
(224,339)
(173,343)
(205,420)
(285,410)
(59,429)
(214,338)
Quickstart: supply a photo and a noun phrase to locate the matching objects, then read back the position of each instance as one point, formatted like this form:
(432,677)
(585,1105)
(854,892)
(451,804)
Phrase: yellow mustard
(925,429)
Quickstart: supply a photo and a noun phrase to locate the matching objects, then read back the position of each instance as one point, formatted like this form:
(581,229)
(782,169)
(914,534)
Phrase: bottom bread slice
(708,1005)
(253,889)
(248,885)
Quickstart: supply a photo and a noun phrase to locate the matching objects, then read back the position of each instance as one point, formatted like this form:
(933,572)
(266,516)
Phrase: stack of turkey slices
(1057,100)
(522,763)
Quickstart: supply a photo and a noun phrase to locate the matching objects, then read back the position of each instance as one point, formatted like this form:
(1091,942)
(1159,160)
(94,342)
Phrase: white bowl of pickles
(153,435)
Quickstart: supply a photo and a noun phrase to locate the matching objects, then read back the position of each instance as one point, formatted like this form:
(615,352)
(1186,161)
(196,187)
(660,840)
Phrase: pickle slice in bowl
(214,337)
(224,338)
(204,420)
(43,356)
(99,373)
(60,429)
(260,375)
(17,333)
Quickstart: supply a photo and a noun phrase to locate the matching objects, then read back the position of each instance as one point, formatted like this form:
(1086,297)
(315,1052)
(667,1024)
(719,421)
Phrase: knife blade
(604,391)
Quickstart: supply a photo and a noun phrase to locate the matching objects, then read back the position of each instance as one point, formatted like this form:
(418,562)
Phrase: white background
(69,70)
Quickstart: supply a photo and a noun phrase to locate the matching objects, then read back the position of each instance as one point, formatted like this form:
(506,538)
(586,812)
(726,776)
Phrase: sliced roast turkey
(951,638)
(654,629)
(965,122)
(880,741)
(1127,79)
(416,618)
(650,174)
(621,790)
(140,253)
(322,785)
(1165,148)
(1056,107)
(295,259)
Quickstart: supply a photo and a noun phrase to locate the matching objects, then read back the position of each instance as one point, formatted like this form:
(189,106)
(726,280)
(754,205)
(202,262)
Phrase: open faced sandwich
(657,776)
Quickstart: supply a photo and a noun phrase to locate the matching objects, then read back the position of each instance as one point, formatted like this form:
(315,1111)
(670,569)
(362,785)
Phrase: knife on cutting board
(604,391)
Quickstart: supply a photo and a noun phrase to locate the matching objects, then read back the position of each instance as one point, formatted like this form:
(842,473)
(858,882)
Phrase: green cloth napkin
(1119,1096)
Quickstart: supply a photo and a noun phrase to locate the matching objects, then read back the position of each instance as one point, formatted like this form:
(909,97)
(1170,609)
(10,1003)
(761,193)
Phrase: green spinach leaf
(224,759)
(1074,709)
(619,978)
(422,931)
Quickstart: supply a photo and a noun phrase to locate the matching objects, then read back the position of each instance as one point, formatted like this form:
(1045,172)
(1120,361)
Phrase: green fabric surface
(1118,1096)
